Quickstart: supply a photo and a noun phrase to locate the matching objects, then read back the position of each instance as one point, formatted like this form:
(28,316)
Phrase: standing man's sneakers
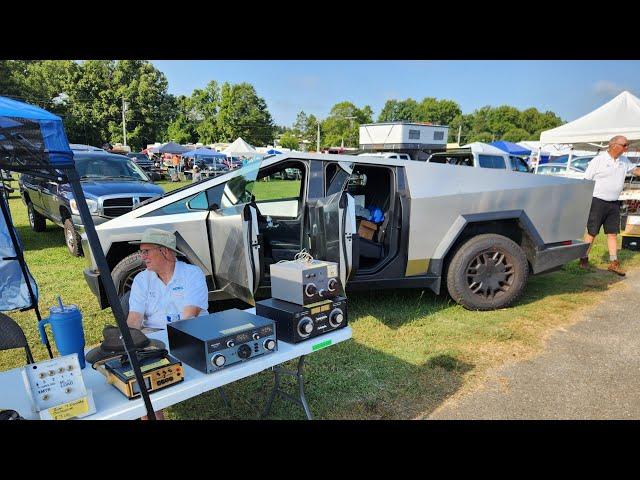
(584,263)
(614,267)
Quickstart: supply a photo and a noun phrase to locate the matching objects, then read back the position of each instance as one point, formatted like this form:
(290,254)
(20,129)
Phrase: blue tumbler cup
(66,324)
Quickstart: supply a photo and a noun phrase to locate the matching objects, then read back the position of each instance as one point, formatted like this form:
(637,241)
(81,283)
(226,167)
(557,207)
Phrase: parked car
(211,165)
(112,185)
(477,233)
(146,164)
(480,155)
(580,162)
(560,169)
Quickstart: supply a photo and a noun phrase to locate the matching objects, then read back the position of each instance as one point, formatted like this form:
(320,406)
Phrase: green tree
(144,88)
(289,140)
(400,111)
(440,112)
(205,106)
(342,124)
(243,114)
(516,135)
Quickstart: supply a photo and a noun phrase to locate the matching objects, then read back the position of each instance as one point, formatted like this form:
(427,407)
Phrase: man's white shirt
(608,174)
(160,303)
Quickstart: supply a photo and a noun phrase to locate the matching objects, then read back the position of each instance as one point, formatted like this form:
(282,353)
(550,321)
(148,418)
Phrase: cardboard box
(633,225)
(366,229)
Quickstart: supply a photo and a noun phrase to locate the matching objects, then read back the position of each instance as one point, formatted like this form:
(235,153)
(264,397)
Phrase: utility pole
(318,142)
(125,106)
(459,132)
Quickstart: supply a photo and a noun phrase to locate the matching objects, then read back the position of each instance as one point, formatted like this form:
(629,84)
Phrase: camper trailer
(416,139)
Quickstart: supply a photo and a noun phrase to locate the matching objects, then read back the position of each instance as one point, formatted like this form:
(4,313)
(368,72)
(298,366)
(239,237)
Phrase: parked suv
(112,185)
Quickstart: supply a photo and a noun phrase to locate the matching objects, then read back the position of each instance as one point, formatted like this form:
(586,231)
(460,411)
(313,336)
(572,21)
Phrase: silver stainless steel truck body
(387,223)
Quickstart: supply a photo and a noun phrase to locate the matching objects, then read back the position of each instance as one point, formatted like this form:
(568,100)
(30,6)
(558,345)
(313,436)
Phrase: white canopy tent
(620,116)
(240,148)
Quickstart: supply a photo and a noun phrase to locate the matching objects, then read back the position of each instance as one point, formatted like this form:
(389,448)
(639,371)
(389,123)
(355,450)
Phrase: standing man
(608,170)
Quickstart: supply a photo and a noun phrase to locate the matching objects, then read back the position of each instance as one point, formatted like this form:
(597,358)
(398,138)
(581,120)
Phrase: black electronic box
(211,342)
(297,323)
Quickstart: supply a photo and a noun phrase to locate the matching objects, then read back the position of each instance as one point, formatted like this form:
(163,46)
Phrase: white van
(480,155)
(391,155)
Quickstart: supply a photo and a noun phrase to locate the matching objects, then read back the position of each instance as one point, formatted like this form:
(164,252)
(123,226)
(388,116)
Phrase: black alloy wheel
(490,272)
(487,272)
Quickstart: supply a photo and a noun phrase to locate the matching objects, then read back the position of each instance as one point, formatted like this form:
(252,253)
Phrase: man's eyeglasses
(623,145)
(145,251)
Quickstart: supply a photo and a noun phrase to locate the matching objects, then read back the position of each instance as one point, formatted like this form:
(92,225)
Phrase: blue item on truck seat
(376,215)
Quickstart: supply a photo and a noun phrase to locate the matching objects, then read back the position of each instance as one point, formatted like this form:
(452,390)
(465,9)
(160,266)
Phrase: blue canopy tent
(204,153)
(511,148)
(33,140)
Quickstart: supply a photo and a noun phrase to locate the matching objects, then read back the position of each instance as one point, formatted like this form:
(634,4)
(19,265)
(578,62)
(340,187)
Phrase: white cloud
(606,88)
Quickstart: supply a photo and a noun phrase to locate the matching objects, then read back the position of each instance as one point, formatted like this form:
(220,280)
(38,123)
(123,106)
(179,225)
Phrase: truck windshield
(108,167)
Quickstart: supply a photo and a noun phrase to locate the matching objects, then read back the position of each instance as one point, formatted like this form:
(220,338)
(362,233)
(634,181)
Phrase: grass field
(410,349)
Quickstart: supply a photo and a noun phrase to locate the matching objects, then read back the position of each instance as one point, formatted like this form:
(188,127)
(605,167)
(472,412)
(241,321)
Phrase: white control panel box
(56,388)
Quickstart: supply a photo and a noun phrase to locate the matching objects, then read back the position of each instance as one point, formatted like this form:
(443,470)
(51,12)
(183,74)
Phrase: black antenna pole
(107,282)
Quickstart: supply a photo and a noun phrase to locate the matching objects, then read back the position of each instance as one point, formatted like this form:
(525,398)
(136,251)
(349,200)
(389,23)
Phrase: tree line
(90,97)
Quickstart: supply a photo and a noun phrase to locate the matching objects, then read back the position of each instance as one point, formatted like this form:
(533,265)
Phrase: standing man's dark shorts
(603,213)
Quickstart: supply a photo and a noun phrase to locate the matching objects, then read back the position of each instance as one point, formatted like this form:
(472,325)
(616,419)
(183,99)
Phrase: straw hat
(159,237)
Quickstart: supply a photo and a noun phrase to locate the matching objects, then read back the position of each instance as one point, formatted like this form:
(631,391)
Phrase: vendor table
(111,404)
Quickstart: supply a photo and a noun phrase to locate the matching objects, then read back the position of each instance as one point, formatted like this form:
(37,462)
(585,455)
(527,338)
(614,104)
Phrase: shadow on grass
(347,381)
(396,307)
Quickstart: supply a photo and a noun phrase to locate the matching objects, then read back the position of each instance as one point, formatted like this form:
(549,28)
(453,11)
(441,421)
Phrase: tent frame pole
(23,267)
(107,282)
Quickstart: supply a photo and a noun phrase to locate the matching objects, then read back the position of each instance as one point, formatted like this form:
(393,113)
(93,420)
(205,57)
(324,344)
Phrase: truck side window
(491,161)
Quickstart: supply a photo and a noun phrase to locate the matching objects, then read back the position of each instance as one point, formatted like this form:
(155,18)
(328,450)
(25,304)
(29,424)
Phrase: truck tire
(124,272)
(72,239)
(37,222)
(487,272)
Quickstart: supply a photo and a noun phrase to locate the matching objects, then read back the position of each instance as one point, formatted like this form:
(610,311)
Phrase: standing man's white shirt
(160,303)
(609,175)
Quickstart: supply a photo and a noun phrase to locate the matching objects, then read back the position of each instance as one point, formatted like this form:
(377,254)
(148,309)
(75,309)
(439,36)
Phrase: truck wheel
(124,272)
(487,272)
(37,222)
(72,239)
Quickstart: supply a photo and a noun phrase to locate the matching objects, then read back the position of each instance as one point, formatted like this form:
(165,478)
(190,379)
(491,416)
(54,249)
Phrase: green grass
(410,349)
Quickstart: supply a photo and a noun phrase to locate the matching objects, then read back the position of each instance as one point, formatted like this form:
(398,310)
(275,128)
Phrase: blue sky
(570,88)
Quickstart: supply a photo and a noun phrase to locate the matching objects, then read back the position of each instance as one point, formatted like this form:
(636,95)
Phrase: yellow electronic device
(158,373)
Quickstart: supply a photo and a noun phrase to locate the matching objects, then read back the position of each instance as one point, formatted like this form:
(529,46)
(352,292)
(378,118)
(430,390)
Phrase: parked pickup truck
(112,185)
(478,233)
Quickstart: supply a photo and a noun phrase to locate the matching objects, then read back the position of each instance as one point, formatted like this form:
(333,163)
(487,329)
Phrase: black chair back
(12,336)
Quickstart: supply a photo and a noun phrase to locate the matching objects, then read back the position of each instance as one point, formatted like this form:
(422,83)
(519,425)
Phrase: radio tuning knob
(230,343)
(256,336)
(336,317)
(333,283)
(269,344)
(219,360)
(310,290)
(321,292)
(305,326)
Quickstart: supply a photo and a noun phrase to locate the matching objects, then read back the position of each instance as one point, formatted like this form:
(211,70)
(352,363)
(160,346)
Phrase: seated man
(168,290)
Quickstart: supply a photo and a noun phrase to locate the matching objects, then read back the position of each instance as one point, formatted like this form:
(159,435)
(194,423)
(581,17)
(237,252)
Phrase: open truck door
(236,253)
(330,224)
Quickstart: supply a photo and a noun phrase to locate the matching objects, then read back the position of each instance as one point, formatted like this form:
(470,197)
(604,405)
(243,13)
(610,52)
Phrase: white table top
(111,404)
